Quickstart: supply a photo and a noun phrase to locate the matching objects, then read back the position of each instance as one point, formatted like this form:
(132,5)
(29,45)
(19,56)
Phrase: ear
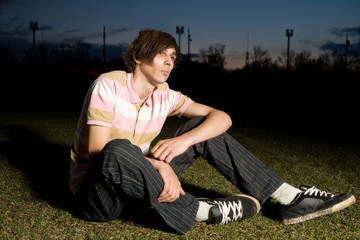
(136,60)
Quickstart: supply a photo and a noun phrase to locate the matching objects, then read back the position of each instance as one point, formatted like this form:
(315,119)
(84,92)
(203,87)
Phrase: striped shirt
(113,102)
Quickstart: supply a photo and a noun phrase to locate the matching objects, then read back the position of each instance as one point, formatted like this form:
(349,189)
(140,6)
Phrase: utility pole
(179,30)
(347,45)
(104,35)
(289,34)
(247,63)
(34,27)
(189,40)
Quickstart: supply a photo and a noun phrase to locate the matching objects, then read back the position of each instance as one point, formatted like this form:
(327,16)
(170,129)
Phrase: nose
(169,62)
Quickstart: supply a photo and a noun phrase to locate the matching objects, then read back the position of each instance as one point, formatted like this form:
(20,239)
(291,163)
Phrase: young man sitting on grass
(112,163)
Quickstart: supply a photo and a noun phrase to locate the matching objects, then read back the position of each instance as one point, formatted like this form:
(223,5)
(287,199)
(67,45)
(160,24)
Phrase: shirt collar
(134,96)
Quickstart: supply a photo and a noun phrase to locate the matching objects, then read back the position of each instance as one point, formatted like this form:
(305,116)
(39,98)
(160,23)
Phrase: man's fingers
(164,154)
(169,157)
(158,149)
(164,150)
(170,194)
(182,192)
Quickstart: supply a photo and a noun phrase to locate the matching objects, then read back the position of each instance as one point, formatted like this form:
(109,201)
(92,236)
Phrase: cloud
(72,30)
(339,48)
(332,46)
(117,31)
(354,31)
(305,41)
(19,31)
(99,34)
(72,40)
(46,28)
(14,19)
(22,31)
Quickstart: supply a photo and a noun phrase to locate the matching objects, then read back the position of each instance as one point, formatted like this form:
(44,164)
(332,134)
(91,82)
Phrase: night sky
(319,25)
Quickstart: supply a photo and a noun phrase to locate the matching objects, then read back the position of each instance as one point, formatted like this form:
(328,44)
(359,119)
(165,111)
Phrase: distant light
(34,26)
(180,30)
(289,33)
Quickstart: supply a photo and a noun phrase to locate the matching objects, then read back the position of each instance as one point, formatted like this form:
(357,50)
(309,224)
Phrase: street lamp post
(289,34)
(34,27)
(179,30)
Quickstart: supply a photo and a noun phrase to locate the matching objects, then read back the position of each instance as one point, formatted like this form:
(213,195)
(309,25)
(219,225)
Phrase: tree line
(214,55)
(260,59)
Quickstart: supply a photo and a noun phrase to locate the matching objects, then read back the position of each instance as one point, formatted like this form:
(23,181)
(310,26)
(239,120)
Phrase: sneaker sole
(258,208)
(341,205)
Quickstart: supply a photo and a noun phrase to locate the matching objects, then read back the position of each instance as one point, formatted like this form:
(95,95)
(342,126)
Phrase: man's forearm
(216,123)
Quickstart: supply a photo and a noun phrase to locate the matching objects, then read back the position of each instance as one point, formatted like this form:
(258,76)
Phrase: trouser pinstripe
(121,172)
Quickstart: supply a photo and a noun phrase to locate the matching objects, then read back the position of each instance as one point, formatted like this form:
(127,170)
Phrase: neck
(142,86)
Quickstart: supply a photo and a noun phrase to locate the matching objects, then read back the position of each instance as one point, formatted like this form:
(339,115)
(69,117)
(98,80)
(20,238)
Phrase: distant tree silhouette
(81,50)
(324,62)
(45,49)
(357,58)
(282,59)
(214,55)
(6,56)
(260,58)
(73,51)
(303,61)
(78,54)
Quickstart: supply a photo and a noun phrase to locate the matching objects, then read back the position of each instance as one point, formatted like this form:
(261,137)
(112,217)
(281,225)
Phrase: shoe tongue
(231,214)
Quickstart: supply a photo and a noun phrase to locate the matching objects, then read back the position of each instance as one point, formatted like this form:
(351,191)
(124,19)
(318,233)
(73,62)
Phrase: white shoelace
(317,192)
(226,207)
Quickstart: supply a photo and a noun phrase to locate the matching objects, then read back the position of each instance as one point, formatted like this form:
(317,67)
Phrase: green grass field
(34,200)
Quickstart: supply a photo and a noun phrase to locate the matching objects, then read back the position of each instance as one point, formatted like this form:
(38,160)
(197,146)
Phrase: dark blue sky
(318,25)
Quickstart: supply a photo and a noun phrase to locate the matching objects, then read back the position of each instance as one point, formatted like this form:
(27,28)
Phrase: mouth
(165,72)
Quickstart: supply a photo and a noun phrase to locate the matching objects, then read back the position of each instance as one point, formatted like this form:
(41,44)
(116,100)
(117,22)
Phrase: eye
(166,54)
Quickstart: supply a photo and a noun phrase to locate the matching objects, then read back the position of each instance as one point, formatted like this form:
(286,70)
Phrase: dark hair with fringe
(146,46)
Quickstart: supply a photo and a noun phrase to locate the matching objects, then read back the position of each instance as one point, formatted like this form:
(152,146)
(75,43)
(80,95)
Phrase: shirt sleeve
(102,101)
(181,103)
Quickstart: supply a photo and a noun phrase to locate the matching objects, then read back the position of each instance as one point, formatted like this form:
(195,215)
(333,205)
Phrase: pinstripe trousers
(122,172)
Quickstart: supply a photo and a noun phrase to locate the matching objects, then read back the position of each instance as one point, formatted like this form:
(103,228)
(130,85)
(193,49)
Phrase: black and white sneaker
(234,208)
(312,203)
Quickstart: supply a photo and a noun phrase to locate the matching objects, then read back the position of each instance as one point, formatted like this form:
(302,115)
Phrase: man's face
(159,70)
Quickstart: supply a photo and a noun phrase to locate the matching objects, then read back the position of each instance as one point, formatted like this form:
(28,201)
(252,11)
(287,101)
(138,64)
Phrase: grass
(34,200)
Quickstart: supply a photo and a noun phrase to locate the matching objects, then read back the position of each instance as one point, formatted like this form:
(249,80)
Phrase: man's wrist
(155,162)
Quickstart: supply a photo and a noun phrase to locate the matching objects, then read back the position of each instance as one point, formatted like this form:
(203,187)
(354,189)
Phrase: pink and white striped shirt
(113,102)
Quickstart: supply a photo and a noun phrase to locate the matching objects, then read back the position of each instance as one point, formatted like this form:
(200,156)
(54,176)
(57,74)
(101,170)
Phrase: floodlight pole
(289,34)
(34,27)
(179,30)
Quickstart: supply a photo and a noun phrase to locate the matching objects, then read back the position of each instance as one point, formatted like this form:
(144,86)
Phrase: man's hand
(172,186)
(165,150)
